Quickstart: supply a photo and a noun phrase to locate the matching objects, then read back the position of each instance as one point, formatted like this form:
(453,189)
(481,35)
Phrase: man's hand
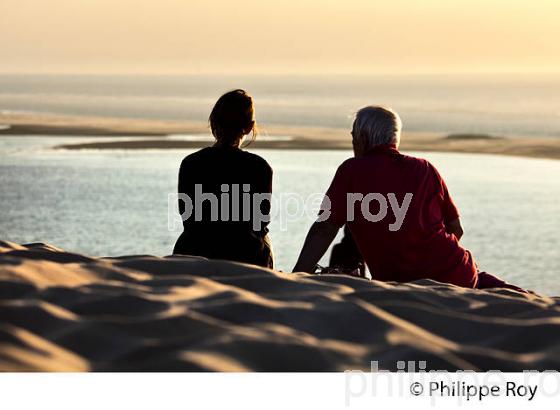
(318,240)
(454,227)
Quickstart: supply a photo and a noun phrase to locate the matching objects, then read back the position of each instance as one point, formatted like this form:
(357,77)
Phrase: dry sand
(61,311)
(302,137)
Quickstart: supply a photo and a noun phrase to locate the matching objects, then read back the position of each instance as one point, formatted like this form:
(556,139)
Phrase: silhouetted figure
(228,213)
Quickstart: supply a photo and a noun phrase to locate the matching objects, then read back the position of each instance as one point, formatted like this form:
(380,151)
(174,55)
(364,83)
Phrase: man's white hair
(376,125)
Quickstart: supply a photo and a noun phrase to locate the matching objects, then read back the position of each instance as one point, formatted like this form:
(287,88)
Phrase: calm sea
(507,105)
(116,202)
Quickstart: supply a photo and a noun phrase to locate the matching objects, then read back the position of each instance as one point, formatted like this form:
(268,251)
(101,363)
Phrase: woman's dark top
(225,226)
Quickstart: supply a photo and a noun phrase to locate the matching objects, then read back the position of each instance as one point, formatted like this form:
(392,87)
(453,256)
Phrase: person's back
(411,241)
(217,186)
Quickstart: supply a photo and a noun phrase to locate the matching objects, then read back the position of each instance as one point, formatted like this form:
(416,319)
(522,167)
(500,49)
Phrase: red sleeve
(335,197)
(449,210)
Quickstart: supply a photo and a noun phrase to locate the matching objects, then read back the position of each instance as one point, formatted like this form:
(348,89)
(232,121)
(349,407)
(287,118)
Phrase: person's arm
(454,227)
(332,217)
(449,210)
(318,240)
(264,186)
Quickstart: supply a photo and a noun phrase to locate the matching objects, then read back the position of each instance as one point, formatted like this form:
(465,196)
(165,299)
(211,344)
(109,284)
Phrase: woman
(221,218)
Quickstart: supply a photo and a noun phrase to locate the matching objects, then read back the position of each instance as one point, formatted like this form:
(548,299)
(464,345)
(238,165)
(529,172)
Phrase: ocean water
(506,105)
(116,202)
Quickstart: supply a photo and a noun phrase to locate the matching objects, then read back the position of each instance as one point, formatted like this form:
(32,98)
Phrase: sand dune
(67,312)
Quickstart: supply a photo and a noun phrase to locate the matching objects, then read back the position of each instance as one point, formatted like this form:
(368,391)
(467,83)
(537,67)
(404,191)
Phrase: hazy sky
(301,36)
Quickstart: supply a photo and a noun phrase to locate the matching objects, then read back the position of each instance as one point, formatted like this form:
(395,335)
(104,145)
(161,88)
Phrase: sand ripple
(66,312)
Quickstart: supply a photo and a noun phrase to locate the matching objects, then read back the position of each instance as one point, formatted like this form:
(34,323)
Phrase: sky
(288,36)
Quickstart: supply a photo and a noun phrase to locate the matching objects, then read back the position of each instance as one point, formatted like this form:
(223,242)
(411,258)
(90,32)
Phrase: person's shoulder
(256,159)
(420,163)
(349,162)
(347,165)
(196,156)
(424,167)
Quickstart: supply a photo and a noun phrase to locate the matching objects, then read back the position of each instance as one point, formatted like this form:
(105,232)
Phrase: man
(398,210)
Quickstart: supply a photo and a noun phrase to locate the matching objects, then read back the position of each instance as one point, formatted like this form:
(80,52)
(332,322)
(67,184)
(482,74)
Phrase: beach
(67,311)
(63,311)
(300,137)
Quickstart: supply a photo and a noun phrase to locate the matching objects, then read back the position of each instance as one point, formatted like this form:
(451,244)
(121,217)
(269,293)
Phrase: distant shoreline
(310,138)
